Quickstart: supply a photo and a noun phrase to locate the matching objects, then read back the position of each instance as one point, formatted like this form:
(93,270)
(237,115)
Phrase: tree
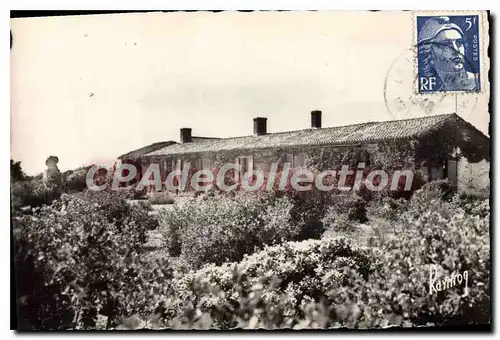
(16,172)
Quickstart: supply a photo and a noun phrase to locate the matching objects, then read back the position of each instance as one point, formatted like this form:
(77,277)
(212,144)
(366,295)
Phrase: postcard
(251,170)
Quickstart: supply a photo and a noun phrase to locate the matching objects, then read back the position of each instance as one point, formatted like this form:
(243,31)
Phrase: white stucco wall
(473,178)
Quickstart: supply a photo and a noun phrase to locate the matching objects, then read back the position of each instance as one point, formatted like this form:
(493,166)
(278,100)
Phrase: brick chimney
(259,126)
(316,119)
(185,135)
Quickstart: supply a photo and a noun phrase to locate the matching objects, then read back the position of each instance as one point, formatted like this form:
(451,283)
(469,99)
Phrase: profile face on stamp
(448,53)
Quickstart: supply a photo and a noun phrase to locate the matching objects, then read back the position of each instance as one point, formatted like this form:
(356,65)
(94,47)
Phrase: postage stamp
(449,53)
(293,148)
(403,101)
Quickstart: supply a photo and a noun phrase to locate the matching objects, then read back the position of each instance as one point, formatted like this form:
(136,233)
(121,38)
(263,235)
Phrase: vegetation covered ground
(317,260)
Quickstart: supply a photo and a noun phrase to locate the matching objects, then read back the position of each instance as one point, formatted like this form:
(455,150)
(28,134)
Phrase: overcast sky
(90,88)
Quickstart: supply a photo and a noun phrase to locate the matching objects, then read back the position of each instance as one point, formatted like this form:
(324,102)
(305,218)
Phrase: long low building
(435,147)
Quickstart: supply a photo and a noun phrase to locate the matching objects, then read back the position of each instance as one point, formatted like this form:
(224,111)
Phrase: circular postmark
(403,101)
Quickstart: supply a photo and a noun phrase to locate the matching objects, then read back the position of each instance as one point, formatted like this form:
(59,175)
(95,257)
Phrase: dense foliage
(272,286)
(332,283)
(75,180)
(160,198)
(75,259)
(33,192)
(81,260)
(220,228)
(16,171)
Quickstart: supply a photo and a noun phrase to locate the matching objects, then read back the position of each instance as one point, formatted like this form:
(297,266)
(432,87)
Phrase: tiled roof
(201,139)
(145,149)
(349,134)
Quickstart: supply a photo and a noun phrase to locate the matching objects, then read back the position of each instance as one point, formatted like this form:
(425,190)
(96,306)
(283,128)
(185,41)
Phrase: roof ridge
(204,137)
(443,115)
(438,123)
(160,145)
(380,130)
(470,125)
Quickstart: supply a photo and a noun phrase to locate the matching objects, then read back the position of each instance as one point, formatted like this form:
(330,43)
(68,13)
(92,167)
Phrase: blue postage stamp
(448,53)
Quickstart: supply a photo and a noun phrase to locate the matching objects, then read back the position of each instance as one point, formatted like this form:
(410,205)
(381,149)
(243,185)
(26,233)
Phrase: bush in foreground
(77,259)
(33,193)
(219,229)
(267,289)
(331,283)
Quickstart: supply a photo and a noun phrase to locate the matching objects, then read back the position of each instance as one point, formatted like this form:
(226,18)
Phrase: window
(206,164)
(246,165)
(198,164)
(289,159)
(243,161)
(181,165)
(300,160)
(164,169)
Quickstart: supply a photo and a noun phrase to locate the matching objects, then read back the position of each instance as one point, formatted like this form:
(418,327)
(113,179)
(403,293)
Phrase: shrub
(160,198)
(307,211)
(131,192)
(432,228)
(431,191)
(393,208)
(267,289)
(139,193)
(33,193)
(344,212)
(221,228)
(77,259)
(386,208)
(336,222)
(19,191)
(472,205)
(114,206)
(304,285)
(75,180)
(448,238)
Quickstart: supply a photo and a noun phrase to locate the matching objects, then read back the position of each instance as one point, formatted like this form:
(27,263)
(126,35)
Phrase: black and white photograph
(250,170)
